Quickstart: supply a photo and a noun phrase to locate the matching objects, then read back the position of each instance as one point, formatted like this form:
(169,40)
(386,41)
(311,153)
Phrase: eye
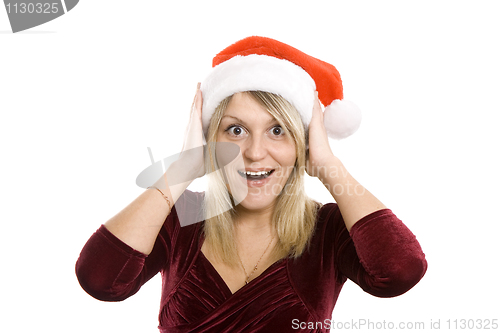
(235,130)
(277,131)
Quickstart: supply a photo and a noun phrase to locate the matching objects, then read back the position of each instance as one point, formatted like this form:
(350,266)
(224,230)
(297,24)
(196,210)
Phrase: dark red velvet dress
(379,254)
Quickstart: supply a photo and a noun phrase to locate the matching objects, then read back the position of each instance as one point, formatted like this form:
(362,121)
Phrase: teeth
(258,173)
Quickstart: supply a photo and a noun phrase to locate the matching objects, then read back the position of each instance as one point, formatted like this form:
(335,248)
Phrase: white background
(83,96)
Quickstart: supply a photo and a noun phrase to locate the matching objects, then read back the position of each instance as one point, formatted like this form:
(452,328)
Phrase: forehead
(244,107)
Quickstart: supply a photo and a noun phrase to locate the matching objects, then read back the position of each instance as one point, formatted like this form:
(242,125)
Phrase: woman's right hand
(194,140)
(189,164)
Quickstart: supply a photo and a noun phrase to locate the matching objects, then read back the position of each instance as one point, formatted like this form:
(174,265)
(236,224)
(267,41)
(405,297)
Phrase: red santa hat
(264,64)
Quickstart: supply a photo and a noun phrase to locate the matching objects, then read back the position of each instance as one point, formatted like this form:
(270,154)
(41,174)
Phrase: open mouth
(255,175)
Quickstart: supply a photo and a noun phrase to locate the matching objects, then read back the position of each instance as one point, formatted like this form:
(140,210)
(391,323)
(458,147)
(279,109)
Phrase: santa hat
(264,64)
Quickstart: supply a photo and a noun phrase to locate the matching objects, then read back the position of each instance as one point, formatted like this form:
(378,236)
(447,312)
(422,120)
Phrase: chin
(258,201)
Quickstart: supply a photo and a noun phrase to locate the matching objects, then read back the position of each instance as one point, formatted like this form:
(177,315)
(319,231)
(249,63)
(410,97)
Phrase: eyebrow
(272,120)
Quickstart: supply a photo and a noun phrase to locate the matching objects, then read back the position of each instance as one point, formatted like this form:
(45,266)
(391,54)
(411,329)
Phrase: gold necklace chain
(255,267)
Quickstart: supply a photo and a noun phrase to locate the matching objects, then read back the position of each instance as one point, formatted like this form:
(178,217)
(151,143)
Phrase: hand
(189,164)
(191,157)
(319,154)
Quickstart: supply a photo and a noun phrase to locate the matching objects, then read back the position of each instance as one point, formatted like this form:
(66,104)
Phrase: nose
(255,149)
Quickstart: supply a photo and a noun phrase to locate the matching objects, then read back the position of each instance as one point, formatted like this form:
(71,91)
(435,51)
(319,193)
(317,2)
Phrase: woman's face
(268,153)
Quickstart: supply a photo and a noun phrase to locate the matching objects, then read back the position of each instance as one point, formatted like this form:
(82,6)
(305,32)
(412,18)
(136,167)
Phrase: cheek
(288,154)
(286,157)
(289,160)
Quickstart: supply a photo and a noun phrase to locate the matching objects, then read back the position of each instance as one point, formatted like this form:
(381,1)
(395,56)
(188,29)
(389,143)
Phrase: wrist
(332,171)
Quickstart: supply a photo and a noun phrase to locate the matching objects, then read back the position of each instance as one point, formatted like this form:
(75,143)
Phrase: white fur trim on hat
(258,72)
(265,73)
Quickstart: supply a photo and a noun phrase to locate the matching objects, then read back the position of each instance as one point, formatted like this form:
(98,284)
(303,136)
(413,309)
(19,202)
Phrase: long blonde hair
(294,215)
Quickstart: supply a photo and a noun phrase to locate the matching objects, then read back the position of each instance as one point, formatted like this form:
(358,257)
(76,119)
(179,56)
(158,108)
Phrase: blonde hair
(294,216)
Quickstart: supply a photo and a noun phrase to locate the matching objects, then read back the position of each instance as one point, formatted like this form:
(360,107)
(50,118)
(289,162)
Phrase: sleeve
(110,270)
(381,255)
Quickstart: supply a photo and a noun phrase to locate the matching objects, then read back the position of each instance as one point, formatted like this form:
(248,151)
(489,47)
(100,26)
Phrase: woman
(266,258)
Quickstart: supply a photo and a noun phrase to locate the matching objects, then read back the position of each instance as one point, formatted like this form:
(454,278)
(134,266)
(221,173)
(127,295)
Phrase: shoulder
(329,217)
(326,211)
(329,231)
(187,210)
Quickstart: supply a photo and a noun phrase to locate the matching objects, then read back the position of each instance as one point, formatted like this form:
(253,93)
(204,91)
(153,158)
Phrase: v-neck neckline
(218,276)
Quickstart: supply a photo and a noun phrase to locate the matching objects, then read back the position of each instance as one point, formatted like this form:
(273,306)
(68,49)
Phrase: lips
(255,175)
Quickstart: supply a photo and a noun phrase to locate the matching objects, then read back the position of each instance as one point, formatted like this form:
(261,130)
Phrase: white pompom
(342,118)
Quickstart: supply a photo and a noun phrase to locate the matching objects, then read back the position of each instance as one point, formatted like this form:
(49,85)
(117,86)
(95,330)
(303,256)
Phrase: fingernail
(198,86)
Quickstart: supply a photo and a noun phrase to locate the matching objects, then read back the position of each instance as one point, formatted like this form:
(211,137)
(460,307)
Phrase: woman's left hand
(319,155)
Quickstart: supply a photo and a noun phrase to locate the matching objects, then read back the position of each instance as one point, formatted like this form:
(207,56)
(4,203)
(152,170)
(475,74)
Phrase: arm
(129,249)
(135,244)
(353,199)
(373,247)
(381,255)
(138,224)
(110,270)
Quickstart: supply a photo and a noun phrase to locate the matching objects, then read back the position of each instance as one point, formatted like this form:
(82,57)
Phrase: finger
(197,103)
(317,110)
(195,96)
(199,99)
(317,123)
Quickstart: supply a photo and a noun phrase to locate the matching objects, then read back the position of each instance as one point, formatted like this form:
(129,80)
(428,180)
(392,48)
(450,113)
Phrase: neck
(254,221)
